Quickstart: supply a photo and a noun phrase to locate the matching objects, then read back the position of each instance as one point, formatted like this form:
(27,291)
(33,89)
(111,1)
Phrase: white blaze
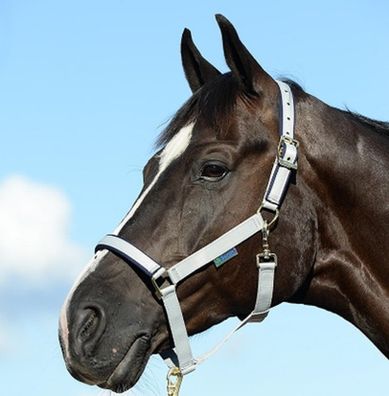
(174,149)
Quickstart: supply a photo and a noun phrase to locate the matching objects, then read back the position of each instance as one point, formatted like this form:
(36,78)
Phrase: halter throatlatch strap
(165,280)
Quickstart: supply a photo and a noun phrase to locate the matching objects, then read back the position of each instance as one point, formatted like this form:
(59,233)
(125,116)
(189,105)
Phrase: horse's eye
(213,171)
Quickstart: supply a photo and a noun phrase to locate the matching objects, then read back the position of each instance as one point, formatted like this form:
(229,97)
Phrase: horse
(327,247)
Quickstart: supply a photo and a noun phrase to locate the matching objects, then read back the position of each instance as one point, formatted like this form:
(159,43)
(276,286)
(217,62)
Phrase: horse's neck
(346,166)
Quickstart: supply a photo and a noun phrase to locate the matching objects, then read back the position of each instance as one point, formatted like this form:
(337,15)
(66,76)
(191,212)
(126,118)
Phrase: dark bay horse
(212,168)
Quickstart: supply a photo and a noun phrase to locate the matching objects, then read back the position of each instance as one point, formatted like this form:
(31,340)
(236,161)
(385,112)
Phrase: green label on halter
(219,261)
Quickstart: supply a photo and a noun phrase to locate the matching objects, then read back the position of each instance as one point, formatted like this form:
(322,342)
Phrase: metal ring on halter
(273,220)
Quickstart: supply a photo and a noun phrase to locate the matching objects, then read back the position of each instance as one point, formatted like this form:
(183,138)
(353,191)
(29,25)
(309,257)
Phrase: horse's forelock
(212,104)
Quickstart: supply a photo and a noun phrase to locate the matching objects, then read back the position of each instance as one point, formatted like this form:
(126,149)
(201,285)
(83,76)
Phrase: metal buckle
(286,163)
(157,280)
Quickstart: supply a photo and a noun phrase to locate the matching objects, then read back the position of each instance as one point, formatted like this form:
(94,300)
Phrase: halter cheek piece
(165,280)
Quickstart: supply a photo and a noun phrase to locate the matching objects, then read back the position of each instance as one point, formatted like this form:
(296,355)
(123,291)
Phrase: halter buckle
(287,144)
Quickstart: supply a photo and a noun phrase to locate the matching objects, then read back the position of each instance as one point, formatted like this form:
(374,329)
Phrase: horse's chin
(127,373)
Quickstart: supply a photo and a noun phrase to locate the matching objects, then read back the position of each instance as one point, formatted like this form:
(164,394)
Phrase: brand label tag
(219,261)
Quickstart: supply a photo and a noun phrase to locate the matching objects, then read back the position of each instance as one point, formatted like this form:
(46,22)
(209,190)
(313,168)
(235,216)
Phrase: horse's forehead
(235,126)
(173,150)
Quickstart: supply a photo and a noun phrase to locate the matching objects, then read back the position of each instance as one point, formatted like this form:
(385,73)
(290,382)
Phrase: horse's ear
(197,69)
(239,59)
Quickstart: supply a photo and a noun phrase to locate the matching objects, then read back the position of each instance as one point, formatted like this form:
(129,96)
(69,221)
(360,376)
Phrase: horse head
(208,175)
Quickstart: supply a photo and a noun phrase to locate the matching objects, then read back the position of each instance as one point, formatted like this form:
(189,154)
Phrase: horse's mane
(381,127)
(215,100)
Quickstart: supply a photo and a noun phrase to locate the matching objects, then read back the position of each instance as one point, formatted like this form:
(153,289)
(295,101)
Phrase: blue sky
(84,89)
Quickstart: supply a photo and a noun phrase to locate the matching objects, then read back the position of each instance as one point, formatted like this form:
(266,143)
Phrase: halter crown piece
(180,359)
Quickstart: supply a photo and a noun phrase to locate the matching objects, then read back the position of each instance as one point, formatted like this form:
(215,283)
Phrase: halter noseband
(220,250)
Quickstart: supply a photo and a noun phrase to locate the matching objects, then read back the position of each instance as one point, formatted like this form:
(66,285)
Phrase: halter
(180,358)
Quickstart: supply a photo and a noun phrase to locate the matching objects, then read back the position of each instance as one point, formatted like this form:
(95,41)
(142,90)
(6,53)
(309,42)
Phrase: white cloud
(34,240)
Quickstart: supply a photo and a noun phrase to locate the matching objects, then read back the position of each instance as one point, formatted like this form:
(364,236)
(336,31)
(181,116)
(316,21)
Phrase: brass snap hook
(267,256)
(174,380)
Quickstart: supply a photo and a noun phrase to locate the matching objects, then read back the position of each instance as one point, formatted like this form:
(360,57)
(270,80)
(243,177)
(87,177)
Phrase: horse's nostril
(91,325)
